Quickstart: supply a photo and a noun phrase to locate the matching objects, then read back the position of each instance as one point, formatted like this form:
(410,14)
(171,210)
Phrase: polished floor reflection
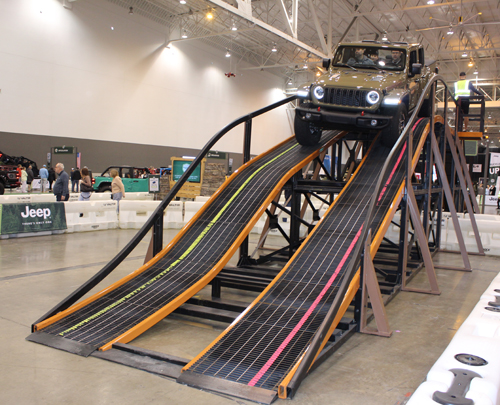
(36,273)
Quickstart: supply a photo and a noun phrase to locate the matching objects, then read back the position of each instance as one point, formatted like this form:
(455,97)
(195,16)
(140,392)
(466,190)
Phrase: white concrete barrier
(128,196)
(16,198)
(190,209)
(42,198)
(478,336)
(174,215)
(489,233)
(134,214)
(82,216)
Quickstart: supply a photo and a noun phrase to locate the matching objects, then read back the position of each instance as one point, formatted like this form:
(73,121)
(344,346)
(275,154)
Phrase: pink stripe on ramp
(290,336)
(397,164)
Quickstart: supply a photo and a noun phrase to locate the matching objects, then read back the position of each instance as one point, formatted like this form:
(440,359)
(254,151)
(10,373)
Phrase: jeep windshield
(370,57)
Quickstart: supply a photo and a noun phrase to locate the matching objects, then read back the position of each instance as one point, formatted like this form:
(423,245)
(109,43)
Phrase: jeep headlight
(373,97)
(319,92)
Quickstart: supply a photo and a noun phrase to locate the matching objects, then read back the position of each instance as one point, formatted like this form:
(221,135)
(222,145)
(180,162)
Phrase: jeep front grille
(346,97)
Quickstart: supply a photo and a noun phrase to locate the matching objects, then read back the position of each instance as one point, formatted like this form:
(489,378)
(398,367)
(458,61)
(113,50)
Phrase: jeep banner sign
(32,217)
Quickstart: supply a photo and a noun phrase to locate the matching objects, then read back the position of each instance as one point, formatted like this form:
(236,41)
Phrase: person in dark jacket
(61,188)
(52,177)
(29,171)
(76,176)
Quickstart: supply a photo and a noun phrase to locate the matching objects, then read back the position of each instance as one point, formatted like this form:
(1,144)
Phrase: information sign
(213,154)
(63,150)
(154,183)
(31,217)
(180,166)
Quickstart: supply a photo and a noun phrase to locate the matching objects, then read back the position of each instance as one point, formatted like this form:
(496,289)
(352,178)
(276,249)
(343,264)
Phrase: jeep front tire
(390,134)
(306,133)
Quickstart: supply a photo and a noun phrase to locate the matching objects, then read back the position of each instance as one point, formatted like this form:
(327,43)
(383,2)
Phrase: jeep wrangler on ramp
(368,86)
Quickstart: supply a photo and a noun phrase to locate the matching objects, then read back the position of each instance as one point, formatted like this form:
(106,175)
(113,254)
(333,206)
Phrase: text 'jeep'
(369,86)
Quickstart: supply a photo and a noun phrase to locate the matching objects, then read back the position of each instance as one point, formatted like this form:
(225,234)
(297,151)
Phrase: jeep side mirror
(326,63)
(416,69)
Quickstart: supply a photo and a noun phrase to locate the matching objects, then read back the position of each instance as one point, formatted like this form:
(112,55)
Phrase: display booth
(192,187)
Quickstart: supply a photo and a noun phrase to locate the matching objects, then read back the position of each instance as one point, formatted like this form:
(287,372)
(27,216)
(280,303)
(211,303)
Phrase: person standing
(61,188)
(117,188)
(44,176)
(85,186)
(464,89)
(24,179)
(52,177)
(75,179)
(30,177)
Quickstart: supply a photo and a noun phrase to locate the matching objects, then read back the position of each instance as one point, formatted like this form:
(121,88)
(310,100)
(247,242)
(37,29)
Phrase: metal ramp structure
(124,310)
(301,315)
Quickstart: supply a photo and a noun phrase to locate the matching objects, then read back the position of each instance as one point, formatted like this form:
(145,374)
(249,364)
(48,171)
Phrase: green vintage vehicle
(369,86)
(135,179)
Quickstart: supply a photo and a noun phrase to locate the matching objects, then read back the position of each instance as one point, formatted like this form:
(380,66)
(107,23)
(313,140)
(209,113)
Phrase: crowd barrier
(137,207)
(48,197)
(191,208)
(133,214)
(83,216)
(488,226)
(477,343)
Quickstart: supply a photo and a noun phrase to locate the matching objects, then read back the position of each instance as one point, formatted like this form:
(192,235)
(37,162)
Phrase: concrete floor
(36,273)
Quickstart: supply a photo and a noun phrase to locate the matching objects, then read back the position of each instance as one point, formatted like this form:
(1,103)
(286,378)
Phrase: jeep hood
(363,79)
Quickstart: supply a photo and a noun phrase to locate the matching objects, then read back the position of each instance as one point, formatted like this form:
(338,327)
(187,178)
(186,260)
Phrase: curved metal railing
(158,213)
(313,348)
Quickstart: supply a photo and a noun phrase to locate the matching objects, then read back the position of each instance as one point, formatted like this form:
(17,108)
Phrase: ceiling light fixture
(450,30)
(471,62)
(228,54)
(476,72)
(234,27)
(430,2)
(182,1)
(131,10)
(274,48)
(384,37)
(464,55)
(184,34)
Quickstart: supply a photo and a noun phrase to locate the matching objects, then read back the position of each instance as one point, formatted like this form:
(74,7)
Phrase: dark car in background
(9,177)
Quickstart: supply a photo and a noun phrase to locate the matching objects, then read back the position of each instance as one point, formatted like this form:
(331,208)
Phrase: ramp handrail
(113,263)
(320,334)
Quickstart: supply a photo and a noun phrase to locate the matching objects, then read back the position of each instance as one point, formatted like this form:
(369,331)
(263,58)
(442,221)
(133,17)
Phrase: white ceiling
(304,31)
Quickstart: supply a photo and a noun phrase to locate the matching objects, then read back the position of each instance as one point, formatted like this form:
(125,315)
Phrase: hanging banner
(493,179)
(32,217)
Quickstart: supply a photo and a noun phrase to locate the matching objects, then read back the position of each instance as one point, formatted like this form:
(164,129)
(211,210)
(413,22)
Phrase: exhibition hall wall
(103,80)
